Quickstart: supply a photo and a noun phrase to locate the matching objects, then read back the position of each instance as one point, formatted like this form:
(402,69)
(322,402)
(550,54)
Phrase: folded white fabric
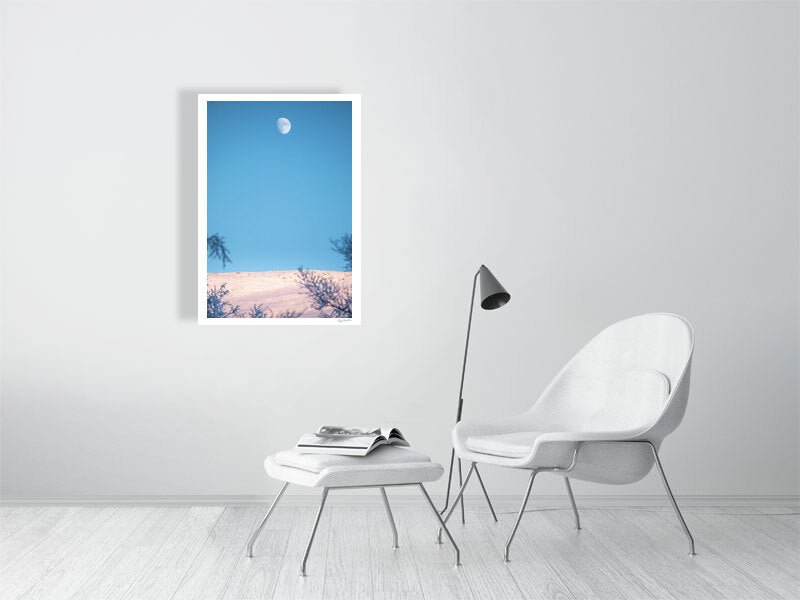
(380,456)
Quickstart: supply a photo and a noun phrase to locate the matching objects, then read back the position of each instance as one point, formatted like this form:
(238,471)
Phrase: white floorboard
(166,553)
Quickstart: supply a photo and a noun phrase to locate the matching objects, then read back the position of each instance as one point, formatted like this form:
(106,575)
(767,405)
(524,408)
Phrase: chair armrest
(623,435)
(560,449)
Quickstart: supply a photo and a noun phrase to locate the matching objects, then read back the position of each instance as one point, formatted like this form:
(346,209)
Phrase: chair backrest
(634,375)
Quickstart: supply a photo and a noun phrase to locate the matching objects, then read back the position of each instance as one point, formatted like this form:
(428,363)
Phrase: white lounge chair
(601,419)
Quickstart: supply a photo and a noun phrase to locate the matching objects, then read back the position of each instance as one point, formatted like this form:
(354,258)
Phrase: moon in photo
(284,125)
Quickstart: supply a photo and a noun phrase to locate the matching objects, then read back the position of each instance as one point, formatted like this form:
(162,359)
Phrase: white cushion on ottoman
(385,465)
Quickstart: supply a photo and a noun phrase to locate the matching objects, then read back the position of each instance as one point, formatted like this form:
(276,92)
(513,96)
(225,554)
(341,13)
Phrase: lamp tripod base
(461,483)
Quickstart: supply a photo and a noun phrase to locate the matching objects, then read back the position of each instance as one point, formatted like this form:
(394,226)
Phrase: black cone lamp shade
(493,294)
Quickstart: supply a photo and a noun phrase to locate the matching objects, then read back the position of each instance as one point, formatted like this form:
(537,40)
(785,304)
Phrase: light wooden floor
(86,553)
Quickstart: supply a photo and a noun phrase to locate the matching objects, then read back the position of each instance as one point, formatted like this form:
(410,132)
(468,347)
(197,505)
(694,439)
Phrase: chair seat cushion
(387,465)
(508,445)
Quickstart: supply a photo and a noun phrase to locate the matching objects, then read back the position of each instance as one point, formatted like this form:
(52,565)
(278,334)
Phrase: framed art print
(279,210)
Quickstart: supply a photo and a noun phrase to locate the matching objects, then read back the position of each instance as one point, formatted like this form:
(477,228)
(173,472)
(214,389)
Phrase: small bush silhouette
(344,246)
(217,249)
(259,311)
(328,297)
(217,307)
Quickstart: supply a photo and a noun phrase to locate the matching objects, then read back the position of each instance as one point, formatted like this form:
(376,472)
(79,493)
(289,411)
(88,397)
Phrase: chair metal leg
(449,481)
(313,531)
(461,482)
(485,495)
(455,502)
(257,532)
(391,518)
(574,507)
(672,500)
(519,516)
(442,523)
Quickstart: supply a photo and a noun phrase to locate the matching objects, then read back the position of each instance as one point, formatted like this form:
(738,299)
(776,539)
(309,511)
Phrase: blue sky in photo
(278,199)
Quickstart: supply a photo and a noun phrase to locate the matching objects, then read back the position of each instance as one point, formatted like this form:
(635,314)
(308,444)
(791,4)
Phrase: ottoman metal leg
(257,532)
(442,523)
(391,518)
(313,531)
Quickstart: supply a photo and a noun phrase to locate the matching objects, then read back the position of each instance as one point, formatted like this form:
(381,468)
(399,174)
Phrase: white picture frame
(204,276)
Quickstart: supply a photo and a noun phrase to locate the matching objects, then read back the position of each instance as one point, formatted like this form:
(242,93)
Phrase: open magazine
(349,441)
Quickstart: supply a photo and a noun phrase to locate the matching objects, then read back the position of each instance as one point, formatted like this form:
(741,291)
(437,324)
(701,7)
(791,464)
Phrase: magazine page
(394,436)
(333,430)
(391,434)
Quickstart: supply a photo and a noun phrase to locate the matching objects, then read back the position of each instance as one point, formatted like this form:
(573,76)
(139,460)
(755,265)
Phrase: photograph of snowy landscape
(278,208)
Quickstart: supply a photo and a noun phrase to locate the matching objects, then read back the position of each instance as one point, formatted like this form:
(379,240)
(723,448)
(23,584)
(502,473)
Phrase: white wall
(604,160)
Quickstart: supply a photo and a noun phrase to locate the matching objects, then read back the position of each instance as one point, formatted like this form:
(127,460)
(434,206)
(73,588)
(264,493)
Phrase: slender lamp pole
(493,295)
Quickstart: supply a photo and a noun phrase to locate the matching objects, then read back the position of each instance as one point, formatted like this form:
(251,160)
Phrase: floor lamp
(493,295)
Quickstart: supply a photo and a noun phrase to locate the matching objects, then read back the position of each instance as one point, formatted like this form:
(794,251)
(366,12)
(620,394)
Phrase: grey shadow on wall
(187,184)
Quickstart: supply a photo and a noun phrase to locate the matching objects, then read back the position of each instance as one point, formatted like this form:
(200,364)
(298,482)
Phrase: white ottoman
(384,467)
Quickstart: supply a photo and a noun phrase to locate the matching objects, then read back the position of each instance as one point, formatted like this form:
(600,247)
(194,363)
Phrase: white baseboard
(367,498)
